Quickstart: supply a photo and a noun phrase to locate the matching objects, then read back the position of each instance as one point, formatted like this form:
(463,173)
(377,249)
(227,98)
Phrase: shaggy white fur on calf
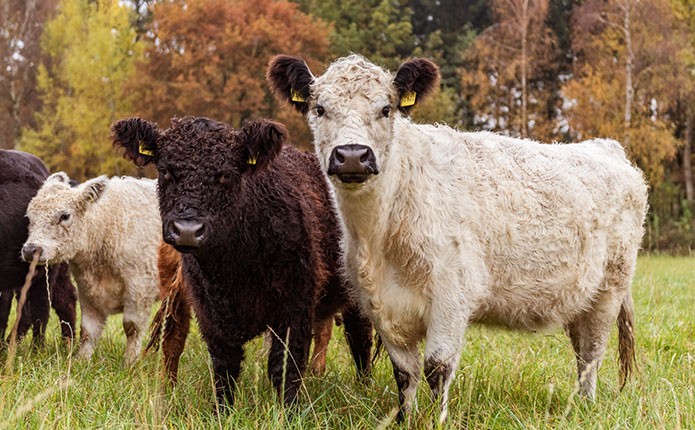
(109,231)
(462,227)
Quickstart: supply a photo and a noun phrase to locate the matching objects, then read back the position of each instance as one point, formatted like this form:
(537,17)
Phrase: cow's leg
(288,356)
(323,331)
(35,310)
(406,371)
(136,311)
(176,327)
(91,328)
(226,364)
(442,353)
(358,332)
(25,320)
(590,330)
(38,309)
(63,300)
(5,306)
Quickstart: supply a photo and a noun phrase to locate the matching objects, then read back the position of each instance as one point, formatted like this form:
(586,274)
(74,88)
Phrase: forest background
(550,70)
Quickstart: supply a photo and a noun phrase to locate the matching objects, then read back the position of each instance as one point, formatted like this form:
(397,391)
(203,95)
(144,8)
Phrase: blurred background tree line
(550,70)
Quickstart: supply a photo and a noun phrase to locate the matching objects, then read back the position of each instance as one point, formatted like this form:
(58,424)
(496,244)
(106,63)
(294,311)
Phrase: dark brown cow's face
(202,165)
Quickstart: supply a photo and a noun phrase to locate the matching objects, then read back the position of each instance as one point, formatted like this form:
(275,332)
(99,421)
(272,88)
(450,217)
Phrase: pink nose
(28,251)
(185,233)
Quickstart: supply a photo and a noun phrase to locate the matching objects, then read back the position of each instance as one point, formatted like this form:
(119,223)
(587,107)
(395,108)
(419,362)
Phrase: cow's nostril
(29,250)
(353,163)
(339,156)
(187,233)
(200,231)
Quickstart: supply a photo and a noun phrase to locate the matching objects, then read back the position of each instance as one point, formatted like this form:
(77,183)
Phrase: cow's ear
(138,138)
(91,191)
(60,177)
(289,78)
(414,80)
(263,140)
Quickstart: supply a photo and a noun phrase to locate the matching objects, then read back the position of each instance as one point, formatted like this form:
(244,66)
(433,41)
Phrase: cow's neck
(366,212)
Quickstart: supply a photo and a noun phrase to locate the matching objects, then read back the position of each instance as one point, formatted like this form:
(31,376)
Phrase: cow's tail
(170,303)
(626,339)
(156,326)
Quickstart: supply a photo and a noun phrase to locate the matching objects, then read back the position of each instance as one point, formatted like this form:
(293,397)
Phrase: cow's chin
(186,249)
(351,181)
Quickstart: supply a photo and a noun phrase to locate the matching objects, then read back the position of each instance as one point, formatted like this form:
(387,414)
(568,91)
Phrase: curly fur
(269,257)
(110,238)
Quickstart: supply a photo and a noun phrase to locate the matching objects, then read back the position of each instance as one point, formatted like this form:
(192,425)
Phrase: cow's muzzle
(352,163)
(184,234)
(28,251)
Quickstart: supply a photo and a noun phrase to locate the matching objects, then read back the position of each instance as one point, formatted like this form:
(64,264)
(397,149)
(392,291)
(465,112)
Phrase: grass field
(505,380)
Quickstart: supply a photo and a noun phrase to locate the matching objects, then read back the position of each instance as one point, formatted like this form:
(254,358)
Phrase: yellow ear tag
(251,161)
(142,149)
(408,99)
(296,97)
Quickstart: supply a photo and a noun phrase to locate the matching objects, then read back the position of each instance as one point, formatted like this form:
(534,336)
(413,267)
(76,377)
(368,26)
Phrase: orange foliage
(208,58)
(598,89)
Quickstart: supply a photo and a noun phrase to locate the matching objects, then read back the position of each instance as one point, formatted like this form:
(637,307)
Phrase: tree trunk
(629,58)
(524,67)
(17,75)
(687,156)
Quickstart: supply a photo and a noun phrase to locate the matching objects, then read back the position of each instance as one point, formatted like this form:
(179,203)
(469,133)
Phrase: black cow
(21,175)
(260,241)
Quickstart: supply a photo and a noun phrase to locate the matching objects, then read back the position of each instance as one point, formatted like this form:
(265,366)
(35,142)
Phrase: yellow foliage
(91,49)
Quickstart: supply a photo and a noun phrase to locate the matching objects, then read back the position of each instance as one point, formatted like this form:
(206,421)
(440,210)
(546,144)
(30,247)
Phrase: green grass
(505,380)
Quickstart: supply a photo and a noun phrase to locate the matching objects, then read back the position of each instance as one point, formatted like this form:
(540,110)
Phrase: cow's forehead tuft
(55,191)
(353,75)
(52,195)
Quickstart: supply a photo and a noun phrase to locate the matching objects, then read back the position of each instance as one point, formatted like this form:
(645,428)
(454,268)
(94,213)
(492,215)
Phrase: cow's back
(125,226)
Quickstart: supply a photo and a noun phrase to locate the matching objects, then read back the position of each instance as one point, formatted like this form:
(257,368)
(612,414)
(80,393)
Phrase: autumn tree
(91,49)
(21,22)
(378,29)
(504,81)
(625,78)
(208,58)
(685,12)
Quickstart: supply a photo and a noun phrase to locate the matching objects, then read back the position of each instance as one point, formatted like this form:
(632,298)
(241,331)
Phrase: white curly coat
(463,227)
(110,237)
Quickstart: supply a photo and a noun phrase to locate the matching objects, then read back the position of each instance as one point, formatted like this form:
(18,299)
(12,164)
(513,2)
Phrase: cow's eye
(225,178)
(164,173)
(386,111)
(64,217)
(320,110)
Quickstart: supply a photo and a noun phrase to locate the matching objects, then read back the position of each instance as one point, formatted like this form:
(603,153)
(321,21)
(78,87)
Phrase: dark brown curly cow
(260,241)
(21,175)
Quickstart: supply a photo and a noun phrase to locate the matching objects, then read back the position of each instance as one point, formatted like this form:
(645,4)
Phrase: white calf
(445,228)
(109,231)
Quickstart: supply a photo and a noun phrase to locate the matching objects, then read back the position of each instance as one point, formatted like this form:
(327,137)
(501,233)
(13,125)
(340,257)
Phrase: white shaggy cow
(445,228)
(109,230)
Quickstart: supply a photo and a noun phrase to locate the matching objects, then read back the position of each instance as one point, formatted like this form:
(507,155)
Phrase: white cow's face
(56,218)
(351,110)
